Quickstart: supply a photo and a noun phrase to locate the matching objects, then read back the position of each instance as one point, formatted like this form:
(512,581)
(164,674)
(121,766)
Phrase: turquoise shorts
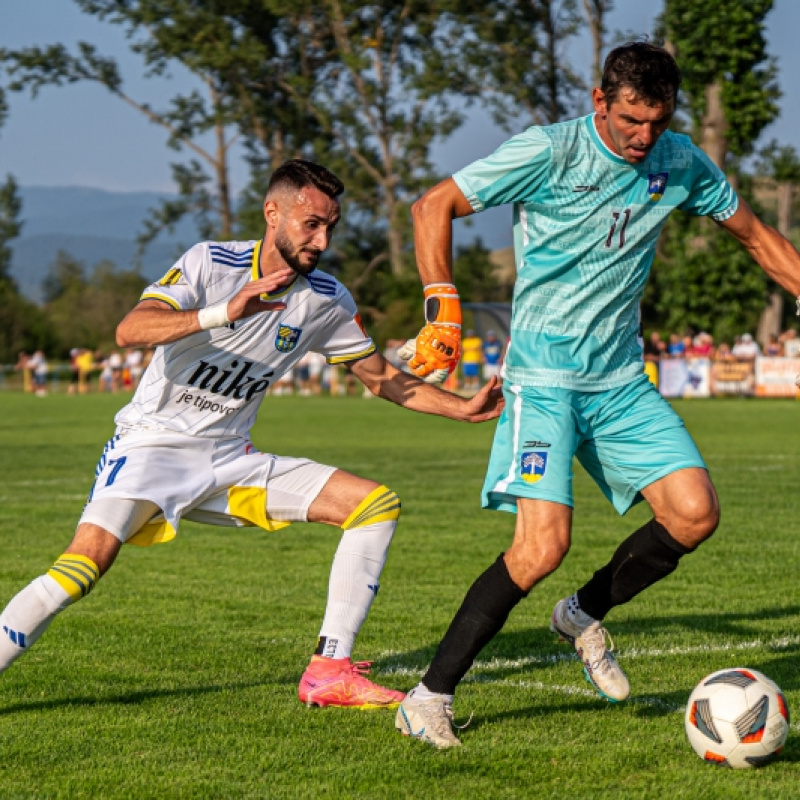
(626,438)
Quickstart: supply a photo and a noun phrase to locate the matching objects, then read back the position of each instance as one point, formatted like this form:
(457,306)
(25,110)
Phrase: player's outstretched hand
(487,404)
(434,354)
(248,302)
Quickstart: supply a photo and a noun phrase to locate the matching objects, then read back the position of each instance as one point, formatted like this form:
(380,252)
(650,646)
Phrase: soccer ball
(737,718)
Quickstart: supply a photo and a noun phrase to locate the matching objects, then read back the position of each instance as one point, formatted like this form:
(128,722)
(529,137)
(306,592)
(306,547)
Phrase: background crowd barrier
(702,377)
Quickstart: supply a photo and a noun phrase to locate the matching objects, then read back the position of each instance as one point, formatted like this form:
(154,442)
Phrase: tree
(85,311)
(383,90)
(728,78)
(518,52)
(228,59)
(595,11)
(781,165)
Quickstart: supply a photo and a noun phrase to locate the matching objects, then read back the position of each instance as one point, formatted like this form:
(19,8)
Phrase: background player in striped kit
(227,321)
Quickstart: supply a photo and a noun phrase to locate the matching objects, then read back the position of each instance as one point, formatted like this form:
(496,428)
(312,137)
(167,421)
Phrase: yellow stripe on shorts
(75,574)
(249,505)
(381,505)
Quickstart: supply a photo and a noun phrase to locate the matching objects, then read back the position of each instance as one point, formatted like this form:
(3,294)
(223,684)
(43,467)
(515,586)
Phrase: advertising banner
(775,377)
(733,378)
(679,377)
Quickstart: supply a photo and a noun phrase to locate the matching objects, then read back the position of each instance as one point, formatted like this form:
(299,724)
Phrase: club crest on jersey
(287,338)
(656,185)
(533,466)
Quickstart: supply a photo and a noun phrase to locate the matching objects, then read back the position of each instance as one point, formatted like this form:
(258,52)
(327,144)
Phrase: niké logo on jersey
(235,382)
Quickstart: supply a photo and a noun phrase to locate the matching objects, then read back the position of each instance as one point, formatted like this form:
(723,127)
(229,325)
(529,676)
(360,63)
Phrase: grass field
(176,678)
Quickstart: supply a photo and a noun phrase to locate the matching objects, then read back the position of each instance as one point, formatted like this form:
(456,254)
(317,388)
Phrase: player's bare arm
(433,216)
(153,322)
(772,252)
(386,381)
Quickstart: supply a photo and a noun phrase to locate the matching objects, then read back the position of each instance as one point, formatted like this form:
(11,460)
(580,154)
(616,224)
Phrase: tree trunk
(770,322)
(594,10)
(714,126)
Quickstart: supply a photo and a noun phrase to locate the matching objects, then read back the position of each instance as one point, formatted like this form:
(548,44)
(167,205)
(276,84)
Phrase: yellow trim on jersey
(249,504)
(164,299)
(381,505)
(156,531)
(255,274)
(171,278)
(352,356)
(75,574)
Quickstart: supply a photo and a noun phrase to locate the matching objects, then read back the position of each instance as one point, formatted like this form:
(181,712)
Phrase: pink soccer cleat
(341,683)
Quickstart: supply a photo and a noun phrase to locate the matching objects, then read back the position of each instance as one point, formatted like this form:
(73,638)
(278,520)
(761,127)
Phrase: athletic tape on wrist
(215,316)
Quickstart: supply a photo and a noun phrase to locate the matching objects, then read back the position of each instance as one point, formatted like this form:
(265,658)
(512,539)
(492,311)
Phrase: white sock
(577,614)
(27,617)
(422,692)
(353,584)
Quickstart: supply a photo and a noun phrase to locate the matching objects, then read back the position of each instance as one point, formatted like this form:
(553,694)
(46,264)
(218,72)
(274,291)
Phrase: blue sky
(81,136)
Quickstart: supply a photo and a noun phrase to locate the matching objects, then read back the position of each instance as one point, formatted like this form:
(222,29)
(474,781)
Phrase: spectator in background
(23,366)
(115,362)
(654,347)
(39,368)
(688,346)
(492,356)
(791,343)
(85,362)
(471,360)
(676,347)
(773,347)
(133,363)
(724,352)
(703,345)
(746,349)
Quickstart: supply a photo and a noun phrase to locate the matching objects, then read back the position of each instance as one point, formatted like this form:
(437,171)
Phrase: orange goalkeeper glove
(434,354)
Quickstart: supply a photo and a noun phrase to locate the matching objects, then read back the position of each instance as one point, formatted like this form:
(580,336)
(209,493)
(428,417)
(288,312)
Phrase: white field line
(559,658)
(480,668)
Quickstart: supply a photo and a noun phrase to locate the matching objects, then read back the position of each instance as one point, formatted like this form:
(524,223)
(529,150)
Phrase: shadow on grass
(125,699)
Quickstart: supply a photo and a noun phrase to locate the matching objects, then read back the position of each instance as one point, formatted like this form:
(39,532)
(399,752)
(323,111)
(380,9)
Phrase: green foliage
(703,279)
(176,677)
(781,163)
(85,311)
(476,278)
(10,224)
(23,325)
(723,42)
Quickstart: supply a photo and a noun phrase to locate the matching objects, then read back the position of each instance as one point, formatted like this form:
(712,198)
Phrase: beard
(292,256)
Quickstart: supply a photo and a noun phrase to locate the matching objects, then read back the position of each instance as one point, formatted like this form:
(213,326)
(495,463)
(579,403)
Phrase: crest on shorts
(656,185)
(533,466)
(287,338)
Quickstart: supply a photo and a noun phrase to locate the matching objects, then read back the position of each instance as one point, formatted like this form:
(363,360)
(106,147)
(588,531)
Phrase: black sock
(646,556)
(483,613)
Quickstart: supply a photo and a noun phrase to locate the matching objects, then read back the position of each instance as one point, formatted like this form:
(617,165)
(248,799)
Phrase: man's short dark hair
(298,174)
(649,71)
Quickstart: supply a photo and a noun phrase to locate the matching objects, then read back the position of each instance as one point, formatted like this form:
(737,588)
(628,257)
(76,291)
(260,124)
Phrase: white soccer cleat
(599,665)
(429,720)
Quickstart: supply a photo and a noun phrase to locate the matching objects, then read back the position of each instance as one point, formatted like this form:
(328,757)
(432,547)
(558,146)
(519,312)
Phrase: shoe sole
(357,706)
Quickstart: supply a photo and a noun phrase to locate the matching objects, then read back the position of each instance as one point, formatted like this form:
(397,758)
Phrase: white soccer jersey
(212,382)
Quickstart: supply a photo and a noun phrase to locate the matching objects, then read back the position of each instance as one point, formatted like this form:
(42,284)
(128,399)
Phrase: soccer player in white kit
(227,321)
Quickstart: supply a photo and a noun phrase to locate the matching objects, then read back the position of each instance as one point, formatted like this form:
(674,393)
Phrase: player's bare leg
(74,574)
(686,513)
(541,540)
(367,512)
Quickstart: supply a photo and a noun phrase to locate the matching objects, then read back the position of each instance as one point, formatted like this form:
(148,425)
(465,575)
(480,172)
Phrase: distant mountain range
(94,225)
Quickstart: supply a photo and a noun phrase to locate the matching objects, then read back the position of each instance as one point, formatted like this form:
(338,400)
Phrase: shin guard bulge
(356,570)
(645,557)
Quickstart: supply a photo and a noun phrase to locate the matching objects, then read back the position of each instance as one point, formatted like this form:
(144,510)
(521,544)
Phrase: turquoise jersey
(586,224)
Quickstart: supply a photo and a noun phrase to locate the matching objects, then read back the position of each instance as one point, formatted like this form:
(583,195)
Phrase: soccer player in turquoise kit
(590,197)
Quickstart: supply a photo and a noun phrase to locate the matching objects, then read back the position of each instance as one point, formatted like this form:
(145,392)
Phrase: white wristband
(215,316)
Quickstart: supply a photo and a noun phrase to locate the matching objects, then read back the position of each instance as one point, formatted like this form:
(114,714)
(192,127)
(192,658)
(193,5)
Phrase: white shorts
(216,481)
(491,371)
